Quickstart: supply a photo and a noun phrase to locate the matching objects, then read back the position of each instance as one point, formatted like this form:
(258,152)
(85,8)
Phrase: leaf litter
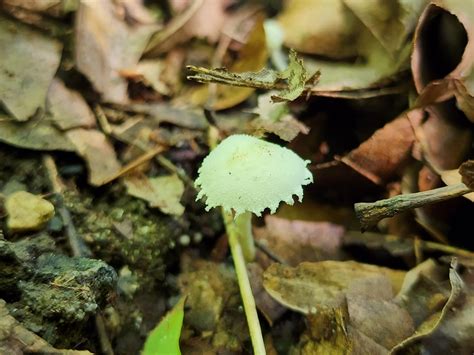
(109,107)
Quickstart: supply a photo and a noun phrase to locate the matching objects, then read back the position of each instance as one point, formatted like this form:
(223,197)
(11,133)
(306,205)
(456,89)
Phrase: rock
(15,339)
(27,212)
(52,294)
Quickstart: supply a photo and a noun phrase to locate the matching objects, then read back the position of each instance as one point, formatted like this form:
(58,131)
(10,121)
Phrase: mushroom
(246,175)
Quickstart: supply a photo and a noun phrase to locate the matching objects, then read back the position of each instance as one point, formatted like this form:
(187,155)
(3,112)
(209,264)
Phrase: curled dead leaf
(373,160)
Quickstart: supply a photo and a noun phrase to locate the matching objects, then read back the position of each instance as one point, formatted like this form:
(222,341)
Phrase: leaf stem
(250,308)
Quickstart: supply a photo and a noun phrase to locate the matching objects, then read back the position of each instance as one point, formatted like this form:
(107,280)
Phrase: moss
(125,232)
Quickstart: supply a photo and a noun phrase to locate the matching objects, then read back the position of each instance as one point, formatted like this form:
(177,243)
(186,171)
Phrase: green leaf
(296,76)
(164,339)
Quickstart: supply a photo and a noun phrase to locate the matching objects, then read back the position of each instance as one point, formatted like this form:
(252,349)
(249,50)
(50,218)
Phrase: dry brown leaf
(106,44)
(467,172)
(274,117)
(386,152)
(163,192)
(296,241)
(287,127)
(207,22)
(446,31)
(453,177)
(67,107)
(445,137)
(159,113)
(98,153)
(321,285)
(252,57)
(37,134)
(450,329)
(333,29)
(391,22)
(26,68)
(378,316)
(148,72)
(321,27)
(270,308)
(55,8)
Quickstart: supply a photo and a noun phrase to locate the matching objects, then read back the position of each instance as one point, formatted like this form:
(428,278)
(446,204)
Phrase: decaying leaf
(448,330)
(98,153)
(148,72)
(253,56)
(67,107)
(275,117)
(271,309)
(291,82)
(375,33)
(445,127)
(385,153)
(37,134)
(206,22)
(325,28)
(160,113)
(452,177)
(391,22)
(467,172)
(296,77)
(349,306)
(294,241)
(51,7)
(376,69)
(106,44)
(321,285)
(28,63)
(446,31)
(422,293)
(163,192)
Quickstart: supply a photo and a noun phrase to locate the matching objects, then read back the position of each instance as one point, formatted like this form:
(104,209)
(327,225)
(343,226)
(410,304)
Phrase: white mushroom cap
(244,173)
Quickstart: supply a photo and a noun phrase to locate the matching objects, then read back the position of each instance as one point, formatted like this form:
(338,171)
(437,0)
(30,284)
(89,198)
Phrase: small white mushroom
(247,174)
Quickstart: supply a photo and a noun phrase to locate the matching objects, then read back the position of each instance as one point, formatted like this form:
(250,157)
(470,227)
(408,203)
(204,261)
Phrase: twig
(387,239)
(137,162)
(77,245)
(370,213)
(172,27)
(102,119)
(168,165)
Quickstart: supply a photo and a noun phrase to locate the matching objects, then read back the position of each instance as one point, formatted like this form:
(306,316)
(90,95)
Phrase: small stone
(27,212)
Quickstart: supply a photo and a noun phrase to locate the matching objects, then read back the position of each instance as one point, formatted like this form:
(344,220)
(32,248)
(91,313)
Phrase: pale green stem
(243,223)
(244,284)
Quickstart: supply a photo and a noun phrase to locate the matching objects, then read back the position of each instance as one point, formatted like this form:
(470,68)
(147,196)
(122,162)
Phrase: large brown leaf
(28,63)
(106,44)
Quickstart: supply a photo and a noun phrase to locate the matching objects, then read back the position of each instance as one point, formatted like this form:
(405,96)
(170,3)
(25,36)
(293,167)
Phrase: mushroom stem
(243,223)
(244,284)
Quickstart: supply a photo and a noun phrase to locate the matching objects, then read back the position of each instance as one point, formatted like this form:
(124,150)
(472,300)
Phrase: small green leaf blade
(164,339)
